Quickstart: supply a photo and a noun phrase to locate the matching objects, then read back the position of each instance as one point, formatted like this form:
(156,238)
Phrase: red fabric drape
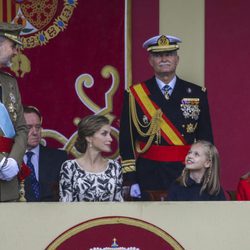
(227,79)
(74,58)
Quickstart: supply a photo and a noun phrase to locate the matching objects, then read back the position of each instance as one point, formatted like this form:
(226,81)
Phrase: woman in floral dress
(91,177)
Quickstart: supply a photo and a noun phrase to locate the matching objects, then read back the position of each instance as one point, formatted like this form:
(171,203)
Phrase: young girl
(91,177)
(200,178)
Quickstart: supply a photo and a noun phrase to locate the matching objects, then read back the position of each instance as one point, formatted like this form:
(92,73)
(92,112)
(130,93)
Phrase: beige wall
(185,19)
(195,225)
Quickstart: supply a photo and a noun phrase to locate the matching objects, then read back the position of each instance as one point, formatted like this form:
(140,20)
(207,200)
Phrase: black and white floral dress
(79,185)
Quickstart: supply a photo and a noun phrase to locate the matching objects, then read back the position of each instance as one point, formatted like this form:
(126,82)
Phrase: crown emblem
(114,246)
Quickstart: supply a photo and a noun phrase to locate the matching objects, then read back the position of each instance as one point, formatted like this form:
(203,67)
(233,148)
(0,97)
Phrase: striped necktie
(34,182)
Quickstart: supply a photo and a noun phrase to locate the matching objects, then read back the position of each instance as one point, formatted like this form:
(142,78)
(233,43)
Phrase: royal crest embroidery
(190,108)
(191,128)
(42,21)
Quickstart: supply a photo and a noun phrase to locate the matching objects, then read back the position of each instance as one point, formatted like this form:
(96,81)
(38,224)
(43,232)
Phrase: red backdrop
(227,79)
(68,46)
(93,39)
(145,24)
(74,61)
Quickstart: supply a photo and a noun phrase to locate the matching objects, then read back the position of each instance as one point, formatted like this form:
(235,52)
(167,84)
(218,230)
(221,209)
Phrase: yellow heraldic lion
(21,64)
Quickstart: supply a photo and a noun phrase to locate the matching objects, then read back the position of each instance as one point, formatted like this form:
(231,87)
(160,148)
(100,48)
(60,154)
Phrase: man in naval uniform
(13,131)
(161,118)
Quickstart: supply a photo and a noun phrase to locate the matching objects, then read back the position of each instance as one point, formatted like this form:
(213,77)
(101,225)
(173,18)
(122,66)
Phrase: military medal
(11,107)
(191,128)
(190,108)
(12,98)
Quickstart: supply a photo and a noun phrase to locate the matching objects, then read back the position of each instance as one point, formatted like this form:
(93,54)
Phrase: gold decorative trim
(115,220)
(60,24)
(128,169)
(129,44)
(163,48)
(128,162)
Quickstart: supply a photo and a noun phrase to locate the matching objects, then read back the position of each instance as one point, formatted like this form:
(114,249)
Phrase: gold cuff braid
(128,169)
(128,166)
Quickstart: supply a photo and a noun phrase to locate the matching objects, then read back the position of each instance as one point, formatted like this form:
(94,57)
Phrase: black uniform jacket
(50,161)
(192,124)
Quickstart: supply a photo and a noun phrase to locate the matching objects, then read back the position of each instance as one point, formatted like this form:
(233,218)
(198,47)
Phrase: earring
(90,145)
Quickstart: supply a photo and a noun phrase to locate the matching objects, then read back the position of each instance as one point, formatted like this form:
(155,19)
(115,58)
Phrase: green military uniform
(12,101)
(10,98)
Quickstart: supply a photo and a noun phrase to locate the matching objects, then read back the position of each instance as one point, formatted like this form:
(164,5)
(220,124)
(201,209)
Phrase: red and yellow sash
(168,131)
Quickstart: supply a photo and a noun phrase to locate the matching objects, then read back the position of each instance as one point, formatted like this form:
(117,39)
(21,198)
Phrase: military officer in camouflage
(13,131)
(161,118)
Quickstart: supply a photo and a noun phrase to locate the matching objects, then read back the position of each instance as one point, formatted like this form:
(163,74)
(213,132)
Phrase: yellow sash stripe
(148,105)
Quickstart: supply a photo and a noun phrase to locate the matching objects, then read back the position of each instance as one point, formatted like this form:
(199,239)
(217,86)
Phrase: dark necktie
(166,91)
(33,180)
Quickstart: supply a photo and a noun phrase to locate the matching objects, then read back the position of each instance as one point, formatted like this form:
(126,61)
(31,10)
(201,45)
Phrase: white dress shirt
(161,84)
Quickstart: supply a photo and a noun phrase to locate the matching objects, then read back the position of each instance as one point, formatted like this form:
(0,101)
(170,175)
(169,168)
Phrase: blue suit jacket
(50,161)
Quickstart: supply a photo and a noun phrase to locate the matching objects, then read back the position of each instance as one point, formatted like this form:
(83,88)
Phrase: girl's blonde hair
(211,178)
